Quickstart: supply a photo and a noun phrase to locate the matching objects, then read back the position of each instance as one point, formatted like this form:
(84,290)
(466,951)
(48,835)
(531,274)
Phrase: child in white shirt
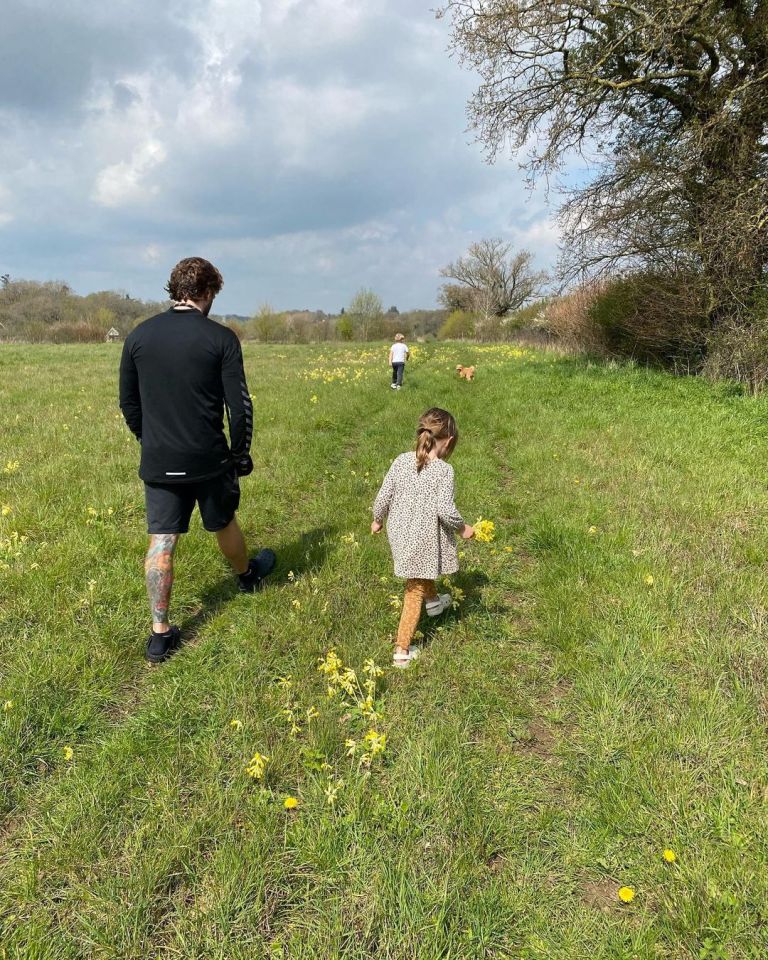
(398,354)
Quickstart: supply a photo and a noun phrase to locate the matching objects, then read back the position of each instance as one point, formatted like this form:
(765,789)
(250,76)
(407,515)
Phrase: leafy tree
(267,326)
(365,311)
(344,328)
(457,326)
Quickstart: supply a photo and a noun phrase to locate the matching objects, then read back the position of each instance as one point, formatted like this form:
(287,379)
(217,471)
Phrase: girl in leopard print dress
(416,498)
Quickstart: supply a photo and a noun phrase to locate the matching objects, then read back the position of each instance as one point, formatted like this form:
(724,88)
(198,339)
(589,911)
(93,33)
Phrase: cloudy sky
(307,147)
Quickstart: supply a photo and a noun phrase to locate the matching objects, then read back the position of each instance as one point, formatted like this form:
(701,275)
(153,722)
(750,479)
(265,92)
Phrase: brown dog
(467,372)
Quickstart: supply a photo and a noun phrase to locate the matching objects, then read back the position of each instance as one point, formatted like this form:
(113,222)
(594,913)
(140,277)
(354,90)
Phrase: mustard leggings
(416,592)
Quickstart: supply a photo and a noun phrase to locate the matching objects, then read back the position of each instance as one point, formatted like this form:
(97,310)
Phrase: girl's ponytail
(424,445)
(434,425)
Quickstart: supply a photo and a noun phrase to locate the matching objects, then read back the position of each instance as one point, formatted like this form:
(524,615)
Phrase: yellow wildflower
(257,766)
(236,724)
(592,531)
(68,753)
(290,803)
(291,576)
(8,706)
(313,399)
(394,601)
(670,856)
(484,530)
(648,580)
(6,510)
(10,467)
(626,894)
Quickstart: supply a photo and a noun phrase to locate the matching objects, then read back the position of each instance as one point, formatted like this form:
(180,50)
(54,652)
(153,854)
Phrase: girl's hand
(468,532)
(376,527)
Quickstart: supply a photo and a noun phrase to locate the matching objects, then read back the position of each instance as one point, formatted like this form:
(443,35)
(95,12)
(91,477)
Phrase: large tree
(669,100)
(365,311)
(491,282)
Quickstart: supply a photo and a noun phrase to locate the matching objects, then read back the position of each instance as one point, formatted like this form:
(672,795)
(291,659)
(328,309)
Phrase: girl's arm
(384,499)
(446,509)
(389,361)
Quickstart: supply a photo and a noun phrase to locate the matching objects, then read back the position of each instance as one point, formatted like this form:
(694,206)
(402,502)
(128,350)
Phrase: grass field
(597,697)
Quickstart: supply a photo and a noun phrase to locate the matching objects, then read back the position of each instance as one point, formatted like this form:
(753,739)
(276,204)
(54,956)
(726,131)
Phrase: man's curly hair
(194,279)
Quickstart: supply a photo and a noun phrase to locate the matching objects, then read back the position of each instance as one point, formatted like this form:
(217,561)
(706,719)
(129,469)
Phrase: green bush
(458,325)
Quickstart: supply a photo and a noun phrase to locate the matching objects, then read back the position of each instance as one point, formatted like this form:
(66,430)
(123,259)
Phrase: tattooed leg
(158,568)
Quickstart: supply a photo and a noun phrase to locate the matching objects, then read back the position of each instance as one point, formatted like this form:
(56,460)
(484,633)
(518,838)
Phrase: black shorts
(170,505)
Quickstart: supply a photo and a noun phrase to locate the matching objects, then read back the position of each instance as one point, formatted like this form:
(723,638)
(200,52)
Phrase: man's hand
(244,466)
(377,526)
(468,532)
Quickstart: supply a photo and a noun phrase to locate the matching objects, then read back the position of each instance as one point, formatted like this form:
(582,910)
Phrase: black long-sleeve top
(179,370)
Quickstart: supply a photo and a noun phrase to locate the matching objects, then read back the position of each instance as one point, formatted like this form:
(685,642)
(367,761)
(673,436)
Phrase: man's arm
(130,397)
(239,406)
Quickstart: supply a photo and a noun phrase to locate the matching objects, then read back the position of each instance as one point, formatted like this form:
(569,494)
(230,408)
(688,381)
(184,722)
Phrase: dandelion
(670,856)
(257,766)
(290,803)
(6,510)
(648,580)
(484,530)
(69,753)
(626,894)
(8,706)
(236,724)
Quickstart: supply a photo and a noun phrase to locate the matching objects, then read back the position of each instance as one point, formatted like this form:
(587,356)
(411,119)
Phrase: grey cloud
(318,162)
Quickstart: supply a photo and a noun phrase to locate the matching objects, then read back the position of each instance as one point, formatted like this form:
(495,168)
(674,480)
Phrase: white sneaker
(394,386)
(436,607)
(403,660)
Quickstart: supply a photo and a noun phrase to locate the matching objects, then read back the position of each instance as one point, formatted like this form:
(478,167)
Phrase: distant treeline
(50,312)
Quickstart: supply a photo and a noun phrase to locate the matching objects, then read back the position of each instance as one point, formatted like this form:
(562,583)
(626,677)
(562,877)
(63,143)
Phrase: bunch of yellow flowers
(485,530)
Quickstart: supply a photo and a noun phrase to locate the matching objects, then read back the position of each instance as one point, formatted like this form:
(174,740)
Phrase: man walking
(178,373)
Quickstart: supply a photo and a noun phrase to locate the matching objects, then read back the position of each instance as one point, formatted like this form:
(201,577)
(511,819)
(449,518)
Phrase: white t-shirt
(399,352)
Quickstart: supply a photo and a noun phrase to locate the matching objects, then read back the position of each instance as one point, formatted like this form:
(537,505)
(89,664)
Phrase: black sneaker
(260,566)
(161,645)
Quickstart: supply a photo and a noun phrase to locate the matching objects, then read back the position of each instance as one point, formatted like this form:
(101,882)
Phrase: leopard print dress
(421,517)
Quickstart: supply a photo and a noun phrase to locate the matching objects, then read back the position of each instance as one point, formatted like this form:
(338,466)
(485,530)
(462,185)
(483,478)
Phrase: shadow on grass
(304,555)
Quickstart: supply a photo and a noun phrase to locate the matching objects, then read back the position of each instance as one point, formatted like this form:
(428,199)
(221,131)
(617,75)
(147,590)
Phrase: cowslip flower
(592,531)
(484,530)
(236,724)
(8,706)
(648,580)
(6,510)
(257,766)
(69,753)
(626,894)
(670,856)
